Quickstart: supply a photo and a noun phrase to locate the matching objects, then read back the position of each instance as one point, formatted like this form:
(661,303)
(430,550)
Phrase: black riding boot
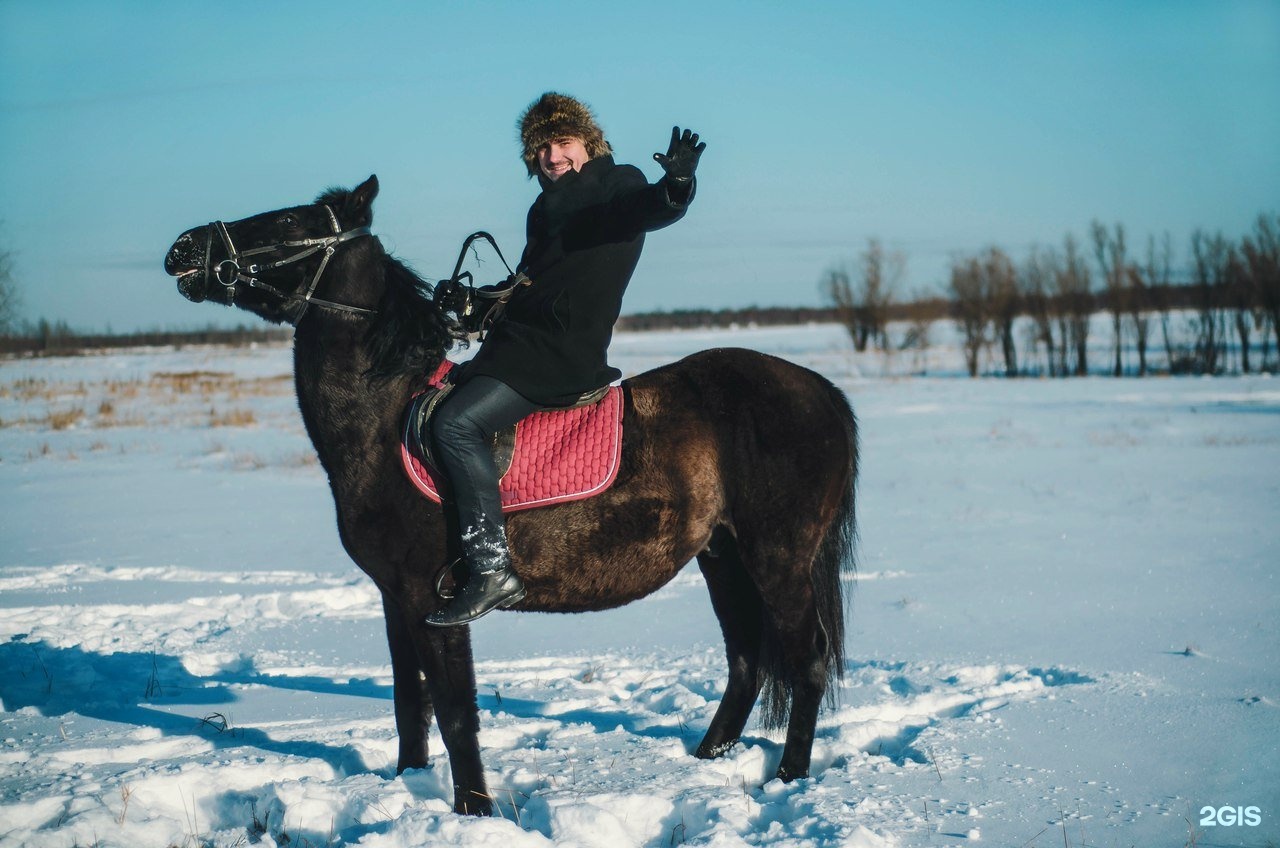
(461,428)
(491,584)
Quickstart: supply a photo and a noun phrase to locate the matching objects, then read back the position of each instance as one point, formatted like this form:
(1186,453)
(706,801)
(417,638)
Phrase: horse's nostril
(184,255)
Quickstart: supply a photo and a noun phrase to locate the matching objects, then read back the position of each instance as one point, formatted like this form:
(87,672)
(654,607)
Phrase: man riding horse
(548,346)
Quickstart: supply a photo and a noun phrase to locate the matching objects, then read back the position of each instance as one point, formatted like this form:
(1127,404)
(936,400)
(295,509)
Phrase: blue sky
(937,127)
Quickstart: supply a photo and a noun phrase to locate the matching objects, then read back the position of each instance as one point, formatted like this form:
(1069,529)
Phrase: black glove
(451,296)
(681,161)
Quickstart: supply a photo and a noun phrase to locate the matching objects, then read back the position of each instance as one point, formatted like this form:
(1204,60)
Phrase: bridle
(230,272)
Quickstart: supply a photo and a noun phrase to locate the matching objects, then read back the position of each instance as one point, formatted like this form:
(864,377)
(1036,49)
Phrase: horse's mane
(334,196)
(410,334)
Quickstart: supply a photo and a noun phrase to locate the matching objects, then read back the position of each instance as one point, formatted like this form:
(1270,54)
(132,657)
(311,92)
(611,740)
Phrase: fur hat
(556,115)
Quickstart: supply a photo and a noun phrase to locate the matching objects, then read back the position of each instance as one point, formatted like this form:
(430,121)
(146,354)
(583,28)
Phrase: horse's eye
(288,221)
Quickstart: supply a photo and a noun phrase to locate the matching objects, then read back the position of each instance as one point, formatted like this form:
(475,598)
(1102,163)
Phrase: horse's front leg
(446,660)
(412,697)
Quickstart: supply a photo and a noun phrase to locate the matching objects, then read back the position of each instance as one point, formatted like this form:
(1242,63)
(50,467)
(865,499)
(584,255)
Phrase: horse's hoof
(787,775)
(409,763)
(711,752)
(473,806)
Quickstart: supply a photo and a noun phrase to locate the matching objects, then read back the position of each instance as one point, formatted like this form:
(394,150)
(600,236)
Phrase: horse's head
(271,264)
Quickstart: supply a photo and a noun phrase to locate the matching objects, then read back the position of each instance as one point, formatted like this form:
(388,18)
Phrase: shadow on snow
(140,689)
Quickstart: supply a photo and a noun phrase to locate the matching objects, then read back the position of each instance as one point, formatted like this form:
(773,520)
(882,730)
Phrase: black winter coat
(584,235)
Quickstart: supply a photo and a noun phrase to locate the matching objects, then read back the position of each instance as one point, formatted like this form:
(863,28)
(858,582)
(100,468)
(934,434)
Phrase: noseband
(230,272)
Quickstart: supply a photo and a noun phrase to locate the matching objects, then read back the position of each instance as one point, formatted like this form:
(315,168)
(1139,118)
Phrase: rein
(454,296)
(458,273)
(230,272)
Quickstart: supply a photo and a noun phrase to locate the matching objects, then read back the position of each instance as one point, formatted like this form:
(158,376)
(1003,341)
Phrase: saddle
(552,456)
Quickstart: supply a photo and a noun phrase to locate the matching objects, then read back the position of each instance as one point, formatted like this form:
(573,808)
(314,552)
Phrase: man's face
(560,155)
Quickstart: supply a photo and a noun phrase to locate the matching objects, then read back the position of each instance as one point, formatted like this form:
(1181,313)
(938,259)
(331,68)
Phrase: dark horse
(739,459)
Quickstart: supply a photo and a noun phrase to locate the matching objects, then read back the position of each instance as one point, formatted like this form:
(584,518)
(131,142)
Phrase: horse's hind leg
(412,698)
(808,684)
(737,605)
(795,658)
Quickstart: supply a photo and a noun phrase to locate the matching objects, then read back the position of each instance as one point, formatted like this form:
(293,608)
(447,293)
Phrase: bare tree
(1211,259)
(1075,292)
(919,327)
(863,301)
(1109,251)
(838,289)
(1035,279)
(1002,291)
(1157,274)
(970,307)
(920,311)
(10,298)
(1261,251)
(1137,302)
(1242,299)
(881,275)
(1065,350)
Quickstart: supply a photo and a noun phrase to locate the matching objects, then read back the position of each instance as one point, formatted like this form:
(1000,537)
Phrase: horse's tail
(833,561)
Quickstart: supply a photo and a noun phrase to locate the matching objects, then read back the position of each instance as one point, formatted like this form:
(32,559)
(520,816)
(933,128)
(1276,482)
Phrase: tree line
(1033,312)
(45,338)
(693,319)
(1036,310)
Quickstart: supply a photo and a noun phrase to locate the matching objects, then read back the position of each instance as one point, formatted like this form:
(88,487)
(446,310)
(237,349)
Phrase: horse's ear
(360,201)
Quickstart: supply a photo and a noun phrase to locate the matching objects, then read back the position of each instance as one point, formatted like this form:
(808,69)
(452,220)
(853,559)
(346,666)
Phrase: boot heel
(513,600)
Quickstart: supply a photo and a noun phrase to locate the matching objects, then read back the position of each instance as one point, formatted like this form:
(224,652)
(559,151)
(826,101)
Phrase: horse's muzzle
(186,260)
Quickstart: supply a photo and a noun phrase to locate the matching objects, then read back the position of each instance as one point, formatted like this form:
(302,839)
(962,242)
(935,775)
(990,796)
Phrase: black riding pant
(462,429)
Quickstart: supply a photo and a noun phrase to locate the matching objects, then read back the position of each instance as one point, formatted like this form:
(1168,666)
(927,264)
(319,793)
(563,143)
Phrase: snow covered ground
(1065,629)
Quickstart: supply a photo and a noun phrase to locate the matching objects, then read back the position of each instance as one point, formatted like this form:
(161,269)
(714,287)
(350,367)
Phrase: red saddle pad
(561,455)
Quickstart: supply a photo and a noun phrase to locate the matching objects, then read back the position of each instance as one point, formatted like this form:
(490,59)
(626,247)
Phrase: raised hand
(682,156)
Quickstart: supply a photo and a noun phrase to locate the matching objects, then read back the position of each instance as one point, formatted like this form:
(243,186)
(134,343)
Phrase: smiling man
(561,155)
(584,234)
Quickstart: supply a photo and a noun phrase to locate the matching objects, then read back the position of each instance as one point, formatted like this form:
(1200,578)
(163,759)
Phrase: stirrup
(447,571)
